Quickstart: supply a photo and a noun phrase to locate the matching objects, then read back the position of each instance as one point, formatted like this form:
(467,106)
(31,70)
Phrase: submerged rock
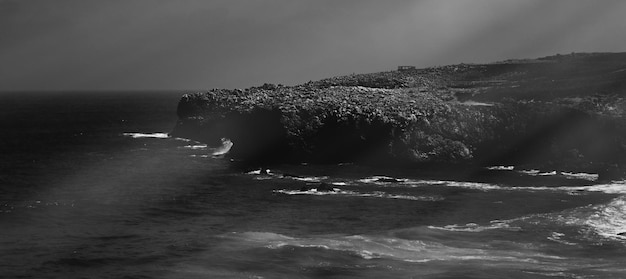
(561,112)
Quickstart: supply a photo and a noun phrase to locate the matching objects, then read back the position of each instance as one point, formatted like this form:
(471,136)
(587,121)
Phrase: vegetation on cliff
(564,111)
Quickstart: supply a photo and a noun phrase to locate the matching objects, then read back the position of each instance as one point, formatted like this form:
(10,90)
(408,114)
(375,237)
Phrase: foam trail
(605,220)
(616,187)
(199,156)
(609,220)
(502,168)
(375,247)
(260,171)
(377,194)
(568,175)
(581,175)
(147,135)
(196,146)
(557,237)
(380,179)
(611,188)
(309,178)
(405,182)
(472,227)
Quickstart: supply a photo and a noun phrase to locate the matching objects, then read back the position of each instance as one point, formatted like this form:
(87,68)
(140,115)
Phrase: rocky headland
(564,112)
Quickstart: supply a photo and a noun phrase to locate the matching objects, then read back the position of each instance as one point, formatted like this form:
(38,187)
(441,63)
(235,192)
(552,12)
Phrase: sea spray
(224,148)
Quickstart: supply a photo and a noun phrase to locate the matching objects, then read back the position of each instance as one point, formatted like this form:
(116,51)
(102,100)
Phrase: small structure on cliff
(406,68)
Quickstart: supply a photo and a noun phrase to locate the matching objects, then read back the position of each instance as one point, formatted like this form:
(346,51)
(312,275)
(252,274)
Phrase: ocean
(92,186)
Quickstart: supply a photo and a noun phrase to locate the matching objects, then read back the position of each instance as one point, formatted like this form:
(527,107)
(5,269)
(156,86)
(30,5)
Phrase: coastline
(507,113)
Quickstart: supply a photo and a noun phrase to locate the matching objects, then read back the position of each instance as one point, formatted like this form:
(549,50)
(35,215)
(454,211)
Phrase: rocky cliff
(559,112)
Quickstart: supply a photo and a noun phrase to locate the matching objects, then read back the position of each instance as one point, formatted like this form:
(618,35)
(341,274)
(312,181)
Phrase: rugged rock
(564,112)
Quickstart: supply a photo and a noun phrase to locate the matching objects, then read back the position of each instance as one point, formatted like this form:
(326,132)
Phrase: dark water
(91,187)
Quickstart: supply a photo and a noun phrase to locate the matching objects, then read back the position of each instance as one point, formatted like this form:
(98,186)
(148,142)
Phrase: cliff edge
(559,112)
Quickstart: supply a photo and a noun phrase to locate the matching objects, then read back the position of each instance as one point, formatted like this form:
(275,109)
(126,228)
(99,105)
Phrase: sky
(202,44)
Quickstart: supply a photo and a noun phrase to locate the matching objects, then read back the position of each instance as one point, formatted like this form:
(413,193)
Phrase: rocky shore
(564,112)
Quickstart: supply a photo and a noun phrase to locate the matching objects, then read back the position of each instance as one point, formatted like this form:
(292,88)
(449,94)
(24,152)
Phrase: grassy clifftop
(560,111)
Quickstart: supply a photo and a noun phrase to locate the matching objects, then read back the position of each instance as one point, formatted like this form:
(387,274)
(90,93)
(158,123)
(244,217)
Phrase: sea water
(93,186)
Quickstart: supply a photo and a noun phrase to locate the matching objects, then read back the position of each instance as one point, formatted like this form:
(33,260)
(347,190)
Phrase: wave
(609,220)
(502,168)
(196,146)
(558,238)
(381,179)
(376,194)
(147,135)
(581,175)
(473,227)
(405,182)
(568,175)
(616,187)
(533,172)
(200,156)
(591,222)
(265,173)
(377,247)
(261,171)
(308,178)
(224,148)
(157,135)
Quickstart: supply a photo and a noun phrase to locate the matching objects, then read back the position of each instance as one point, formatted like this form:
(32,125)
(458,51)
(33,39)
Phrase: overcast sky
(203,44)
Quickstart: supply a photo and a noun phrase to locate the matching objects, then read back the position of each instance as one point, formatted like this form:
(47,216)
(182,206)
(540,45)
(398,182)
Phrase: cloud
(140,44)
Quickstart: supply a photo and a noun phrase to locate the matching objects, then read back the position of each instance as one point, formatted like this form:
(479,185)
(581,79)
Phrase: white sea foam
(196,146)
(581,175)
(568,175)
(199,156)
(147,135)
(474,185)
(314,191)
(502,168)
(529,172)
(609,220)
(611,188)
(404,182)
(376,194)
(184,139)
(308,178)
(557,237)
(268,174)
(379,179)
(260,172)
(605,220)
(224,148)
(375,247)
(473,227)
(616,187)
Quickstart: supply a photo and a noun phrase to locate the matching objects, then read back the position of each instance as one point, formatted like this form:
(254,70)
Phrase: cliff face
(564,112)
